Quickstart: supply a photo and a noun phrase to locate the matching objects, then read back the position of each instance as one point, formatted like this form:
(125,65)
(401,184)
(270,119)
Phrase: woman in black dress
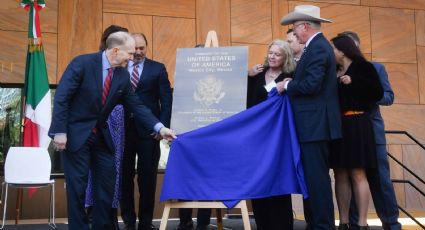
(359,89)
(271,213)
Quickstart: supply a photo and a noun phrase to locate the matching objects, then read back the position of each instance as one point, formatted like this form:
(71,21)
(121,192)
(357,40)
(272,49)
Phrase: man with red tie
(149,81)
(91,86)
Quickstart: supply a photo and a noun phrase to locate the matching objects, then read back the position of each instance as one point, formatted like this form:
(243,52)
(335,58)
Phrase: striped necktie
(107,86)
(134,77)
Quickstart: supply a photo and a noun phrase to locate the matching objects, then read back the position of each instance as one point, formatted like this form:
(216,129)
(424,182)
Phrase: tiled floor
(232,223)
(229,224)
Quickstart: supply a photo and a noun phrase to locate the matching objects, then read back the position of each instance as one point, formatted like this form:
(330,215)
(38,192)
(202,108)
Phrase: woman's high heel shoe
(343,227)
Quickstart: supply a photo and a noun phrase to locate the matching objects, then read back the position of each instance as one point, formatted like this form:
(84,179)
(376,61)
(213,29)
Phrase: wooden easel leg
(165,216)
(211,38)
(213,204)
(18,205)
(219,218)
(245,216)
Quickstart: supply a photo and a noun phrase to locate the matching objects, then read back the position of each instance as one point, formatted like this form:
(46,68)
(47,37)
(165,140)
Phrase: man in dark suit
(149,80)
(379,179)
(314,98)
(90,88)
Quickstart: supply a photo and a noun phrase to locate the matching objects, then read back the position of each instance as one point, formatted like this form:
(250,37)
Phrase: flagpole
(18,205)
(20,192)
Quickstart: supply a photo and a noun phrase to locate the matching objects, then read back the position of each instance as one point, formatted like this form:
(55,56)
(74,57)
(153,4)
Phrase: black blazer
(314,94)
(365,89)
(256,91)
(155,91)
(77,103)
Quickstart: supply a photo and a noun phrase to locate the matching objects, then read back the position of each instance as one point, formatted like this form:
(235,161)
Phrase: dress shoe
(201,227)
(357,227)
(116,226)
(129,227)
(186,226)
(144,227)
(343,227)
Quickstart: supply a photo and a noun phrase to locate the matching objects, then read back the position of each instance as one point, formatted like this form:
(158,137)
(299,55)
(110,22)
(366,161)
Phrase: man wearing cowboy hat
(314,97)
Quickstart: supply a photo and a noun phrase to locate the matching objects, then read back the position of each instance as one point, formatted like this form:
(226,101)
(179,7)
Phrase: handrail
(399,162)
(411,217)
(411,184)
(407,134)
(403,210)
(408,170)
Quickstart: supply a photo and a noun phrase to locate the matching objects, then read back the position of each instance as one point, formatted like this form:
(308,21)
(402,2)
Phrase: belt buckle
(352,112)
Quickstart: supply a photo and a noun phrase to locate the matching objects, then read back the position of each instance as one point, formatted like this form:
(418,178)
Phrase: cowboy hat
(303,13)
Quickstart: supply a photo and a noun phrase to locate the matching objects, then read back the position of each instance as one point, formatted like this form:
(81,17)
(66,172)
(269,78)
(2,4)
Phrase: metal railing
(405,211)
(408,170)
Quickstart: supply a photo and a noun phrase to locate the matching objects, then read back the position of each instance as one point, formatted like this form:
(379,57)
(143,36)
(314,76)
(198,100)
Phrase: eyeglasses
(299,24)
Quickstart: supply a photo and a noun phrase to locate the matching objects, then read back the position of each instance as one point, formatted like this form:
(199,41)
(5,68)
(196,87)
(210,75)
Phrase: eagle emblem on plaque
(209,91)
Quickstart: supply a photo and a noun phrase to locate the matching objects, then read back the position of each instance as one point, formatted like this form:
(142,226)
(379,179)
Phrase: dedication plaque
(210,84)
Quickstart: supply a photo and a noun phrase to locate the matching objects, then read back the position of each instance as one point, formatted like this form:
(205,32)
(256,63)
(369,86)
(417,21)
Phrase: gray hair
(118,39)
(289,63)
(315,25)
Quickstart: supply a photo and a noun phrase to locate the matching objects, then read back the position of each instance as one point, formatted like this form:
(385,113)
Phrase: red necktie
(134,78)
(106,86)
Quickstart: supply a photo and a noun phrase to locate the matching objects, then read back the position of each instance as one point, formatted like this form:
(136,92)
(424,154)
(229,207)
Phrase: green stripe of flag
(36,81)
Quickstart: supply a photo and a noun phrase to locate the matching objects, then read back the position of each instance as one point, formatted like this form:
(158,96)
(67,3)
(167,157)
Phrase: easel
(211,40)
(198,204)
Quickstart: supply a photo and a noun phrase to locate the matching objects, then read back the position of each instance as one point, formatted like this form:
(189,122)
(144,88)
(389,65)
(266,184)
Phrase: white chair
(28,167)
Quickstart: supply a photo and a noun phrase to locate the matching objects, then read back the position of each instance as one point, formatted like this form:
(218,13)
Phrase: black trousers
(318,208)
(148,154)
(96,156)
(203,216)
(273,213)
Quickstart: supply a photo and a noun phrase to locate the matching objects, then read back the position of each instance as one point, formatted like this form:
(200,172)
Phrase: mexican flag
(38,107)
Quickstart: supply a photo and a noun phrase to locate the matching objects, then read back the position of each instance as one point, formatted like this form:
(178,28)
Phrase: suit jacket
(314,95)
(78,107)
(155,92)
(256,93)
(387,99)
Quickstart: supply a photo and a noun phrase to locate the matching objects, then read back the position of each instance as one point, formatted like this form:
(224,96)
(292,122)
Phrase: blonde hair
(289,63)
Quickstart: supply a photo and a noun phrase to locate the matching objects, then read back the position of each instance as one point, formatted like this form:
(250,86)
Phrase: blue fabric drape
(252,154)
